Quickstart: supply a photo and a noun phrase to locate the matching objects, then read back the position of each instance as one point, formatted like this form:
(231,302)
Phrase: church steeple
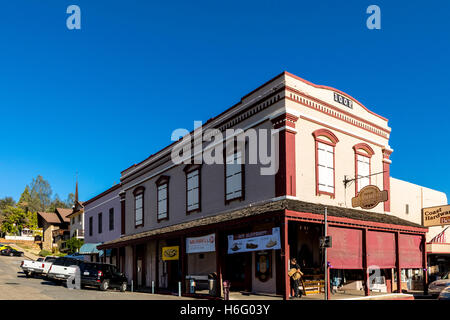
(76,190)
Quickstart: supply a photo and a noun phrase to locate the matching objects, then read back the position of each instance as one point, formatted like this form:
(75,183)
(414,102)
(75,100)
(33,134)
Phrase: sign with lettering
(201,244)
(369,197)
(436,216)
(170,253)
(343,100)
(254,241)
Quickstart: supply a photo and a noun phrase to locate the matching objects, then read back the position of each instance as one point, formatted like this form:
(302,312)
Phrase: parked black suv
(103,276)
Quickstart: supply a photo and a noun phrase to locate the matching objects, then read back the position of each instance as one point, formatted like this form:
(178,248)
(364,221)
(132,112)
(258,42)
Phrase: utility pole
(326,258)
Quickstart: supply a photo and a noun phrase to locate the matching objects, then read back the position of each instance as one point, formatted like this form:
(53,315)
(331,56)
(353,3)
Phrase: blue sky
(102,98)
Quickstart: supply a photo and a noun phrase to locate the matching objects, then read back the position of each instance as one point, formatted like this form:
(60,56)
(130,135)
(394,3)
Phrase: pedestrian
(295,275)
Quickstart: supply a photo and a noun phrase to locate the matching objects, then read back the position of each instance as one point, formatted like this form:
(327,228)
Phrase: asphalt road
(15,286)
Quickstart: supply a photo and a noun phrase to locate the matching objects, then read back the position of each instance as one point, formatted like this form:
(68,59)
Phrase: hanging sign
(436,216)
(170,253)
(254,241)
(201,244)
(369,197)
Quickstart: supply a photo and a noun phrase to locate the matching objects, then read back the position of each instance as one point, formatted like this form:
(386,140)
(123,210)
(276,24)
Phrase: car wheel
(123,287)
(21,254)
(105,285)
(28,274)
(11,254)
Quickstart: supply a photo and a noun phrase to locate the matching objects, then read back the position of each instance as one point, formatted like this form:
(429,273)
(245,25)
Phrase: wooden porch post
(157,266)
(218,264)
(285,257)
(425,267)
(133,247)
(399,270)
(183,258)
(365,266)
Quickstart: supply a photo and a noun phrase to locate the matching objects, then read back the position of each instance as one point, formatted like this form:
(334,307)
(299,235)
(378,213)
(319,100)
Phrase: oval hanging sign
(369,197)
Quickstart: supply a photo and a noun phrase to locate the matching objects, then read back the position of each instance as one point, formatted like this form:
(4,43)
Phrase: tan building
(55,228)
(182,221)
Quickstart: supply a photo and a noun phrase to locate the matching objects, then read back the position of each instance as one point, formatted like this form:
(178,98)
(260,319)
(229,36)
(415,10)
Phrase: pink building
(181,221)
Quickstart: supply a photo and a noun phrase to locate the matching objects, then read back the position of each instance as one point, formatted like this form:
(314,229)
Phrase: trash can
(212,285)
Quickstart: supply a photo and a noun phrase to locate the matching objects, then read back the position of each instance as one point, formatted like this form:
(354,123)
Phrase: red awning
(346,250)
(411,251)
(381,249)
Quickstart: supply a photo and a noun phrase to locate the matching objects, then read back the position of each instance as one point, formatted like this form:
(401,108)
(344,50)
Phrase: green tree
(6,202)
(25,198)
(15,220)
(40,193)
(70,200)
(57,203)
(73,245)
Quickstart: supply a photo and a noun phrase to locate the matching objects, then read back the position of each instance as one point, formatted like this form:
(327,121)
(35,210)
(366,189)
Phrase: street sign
(325,242)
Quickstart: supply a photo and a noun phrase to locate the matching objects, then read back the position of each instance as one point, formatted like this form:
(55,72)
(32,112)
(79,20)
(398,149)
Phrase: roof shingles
(272,206)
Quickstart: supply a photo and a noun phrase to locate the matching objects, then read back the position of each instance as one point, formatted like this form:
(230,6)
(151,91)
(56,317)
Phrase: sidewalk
(348,295)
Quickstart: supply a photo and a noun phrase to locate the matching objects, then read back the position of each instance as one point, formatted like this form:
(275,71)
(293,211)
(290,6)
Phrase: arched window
(363,154)
(139,206)
(325,161)
(162,185)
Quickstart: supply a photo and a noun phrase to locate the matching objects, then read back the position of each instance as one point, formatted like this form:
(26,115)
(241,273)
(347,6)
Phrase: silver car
(445,294)
(437,286)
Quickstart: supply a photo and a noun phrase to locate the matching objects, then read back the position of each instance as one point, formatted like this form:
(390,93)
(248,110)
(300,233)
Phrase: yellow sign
(369,197)
(436,216)
(170,253)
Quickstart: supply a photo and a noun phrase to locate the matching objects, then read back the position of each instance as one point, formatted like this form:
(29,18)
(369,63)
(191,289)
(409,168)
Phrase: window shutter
(233,176)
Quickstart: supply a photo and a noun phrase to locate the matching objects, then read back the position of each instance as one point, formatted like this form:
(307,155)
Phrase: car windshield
(59,262)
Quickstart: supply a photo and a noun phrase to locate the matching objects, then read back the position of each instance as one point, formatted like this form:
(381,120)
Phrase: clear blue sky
(107,96)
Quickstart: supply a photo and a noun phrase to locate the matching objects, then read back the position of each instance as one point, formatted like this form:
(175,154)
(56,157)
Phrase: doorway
(238,271)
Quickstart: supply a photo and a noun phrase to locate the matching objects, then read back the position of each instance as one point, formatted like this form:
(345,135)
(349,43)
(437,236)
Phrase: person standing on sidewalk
(295,276)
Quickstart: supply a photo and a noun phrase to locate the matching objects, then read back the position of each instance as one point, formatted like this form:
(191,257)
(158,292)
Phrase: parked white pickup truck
(62,268)
(38,267)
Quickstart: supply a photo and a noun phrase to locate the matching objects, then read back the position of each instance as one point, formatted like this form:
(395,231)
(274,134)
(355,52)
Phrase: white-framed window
(325,167)
(138,209)
(234,176)
(162,201)
(363,169)
(193,190)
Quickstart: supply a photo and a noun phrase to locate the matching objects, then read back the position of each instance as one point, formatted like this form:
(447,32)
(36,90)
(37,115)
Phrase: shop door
(174,275)
(238,271)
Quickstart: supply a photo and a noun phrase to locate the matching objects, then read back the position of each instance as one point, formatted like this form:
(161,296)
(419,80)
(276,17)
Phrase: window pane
(162,192)
(363,171)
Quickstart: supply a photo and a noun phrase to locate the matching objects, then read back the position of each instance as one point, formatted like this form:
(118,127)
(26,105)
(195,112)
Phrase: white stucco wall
(417,197)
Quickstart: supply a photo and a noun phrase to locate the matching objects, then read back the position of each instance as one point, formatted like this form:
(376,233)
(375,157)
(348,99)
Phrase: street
(15,286)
